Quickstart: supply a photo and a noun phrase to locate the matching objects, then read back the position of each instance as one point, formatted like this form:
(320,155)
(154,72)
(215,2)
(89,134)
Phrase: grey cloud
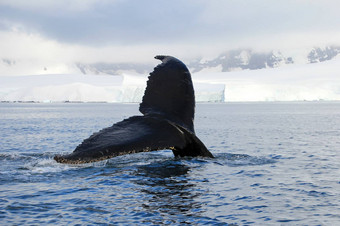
(117,22)
(162,22)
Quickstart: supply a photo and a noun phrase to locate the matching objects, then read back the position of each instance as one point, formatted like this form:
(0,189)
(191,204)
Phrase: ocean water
(275,164)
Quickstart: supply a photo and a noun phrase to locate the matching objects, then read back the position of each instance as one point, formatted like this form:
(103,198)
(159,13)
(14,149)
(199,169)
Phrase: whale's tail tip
(161,57)
(165,58)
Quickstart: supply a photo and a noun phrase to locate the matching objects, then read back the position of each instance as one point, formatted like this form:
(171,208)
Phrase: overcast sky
(136,30)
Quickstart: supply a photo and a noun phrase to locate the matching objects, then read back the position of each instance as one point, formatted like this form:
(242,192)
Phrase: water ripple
(275,164)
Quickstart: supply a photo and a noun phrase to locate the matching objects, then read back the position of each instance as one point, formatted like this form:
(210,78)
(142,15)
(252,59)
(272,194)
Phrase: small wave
(14,156)
(143,158)
(242,159)
(31,163)
(19,156)
(45,166)
(43,163)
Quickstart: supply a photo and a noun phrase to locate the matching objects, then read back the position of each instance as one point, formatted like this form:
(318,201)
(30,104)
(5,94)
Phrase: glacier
(89,88)
(302,82)
(318,81)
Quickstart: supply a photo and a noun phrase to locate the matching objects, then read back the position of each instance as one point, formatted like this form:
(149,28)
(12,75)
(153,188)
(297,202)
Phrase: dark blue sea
(276,164)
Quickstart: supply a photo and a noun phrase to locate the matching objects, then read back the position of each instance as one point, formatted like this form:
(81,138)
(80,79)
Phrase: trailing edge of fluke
(168,109)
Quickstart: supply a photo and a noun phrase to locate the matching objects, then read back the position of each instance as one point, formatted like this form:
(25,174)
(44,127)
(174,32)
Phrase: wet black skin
(168,109)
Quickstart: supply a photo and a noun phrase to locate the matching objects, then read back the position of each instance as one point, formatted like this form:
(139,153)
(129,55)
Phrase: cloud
(50,5)
(132,22)
(119,30)
(33,47)
(106,22)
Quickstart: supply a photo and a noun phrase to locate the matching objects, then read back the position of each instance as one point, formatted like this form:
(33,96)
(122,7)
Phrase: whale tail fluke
(169,93)
(133,135)
(168,107)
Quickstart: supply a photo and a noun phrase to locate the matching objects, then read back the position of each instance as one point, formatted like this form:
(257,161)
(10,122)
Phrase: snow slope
(89,88)
(319,81)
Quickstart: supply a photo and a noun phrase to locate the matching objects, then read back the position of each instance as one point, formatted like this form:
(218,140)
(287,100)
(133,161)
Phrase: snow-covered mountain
(247,59)
(114,68)
(238,75)
(243,59)
(317,81)
(233,60)
(323,54)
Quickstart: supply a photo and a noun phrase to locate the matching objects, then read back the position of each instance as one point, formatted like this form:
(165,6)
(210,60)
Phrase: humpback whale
(168,109)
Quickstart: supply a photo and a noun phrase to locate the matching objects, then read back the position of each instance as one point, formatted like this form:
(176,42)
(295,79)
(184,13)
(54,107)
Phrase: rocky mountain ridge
(247,59)
(238,59)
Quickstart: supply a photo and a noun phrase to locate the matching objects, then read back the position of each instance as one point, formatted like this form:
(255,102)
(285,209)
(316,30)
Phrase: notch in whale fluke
(168,109)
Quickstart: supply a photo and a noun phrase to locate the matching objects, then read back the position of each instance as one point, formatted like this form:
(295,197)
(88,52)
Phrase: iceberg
(89,88)
(318,81)
(309,82)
